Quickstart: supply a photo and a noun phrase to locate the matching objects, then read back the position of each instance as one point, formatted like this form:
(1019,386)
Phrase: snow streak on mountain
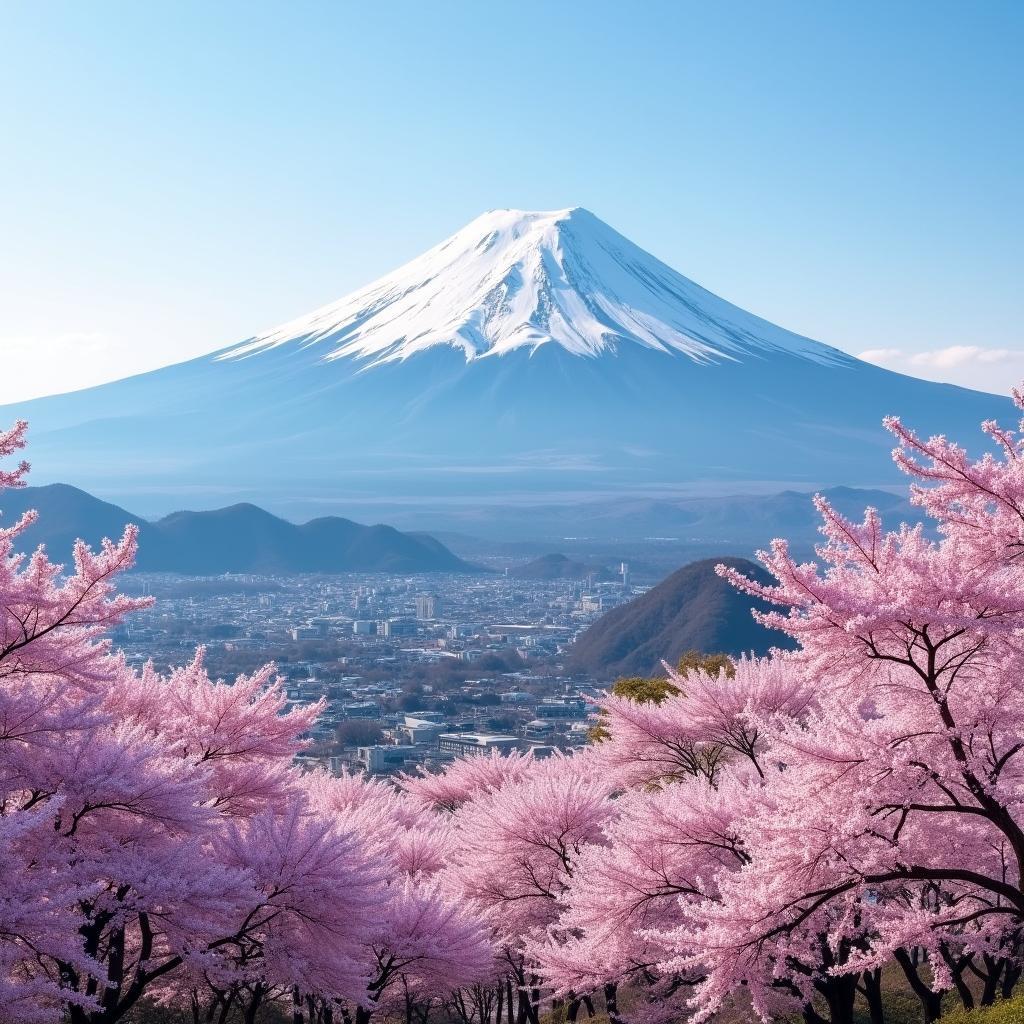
(515,279)
(531,357)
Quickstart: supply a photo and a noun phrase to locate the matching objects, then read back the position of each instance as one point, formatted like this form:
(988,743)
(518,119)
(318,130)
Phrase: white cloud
(971,366)
(959,355)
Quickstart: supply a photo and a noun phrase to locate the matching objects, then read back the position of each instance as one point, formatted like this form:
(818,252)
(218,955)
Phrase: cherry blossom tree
(694,730)
(629,897)
(898,817)
(514,852)
(427,944)
(516,846)
(140,815)
(691,766)
(466,778)
(426,940)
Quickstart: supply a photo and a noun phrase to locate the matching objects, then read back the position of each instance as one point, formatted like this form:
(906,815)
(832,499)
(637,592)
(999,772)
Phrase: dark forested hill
(694,609)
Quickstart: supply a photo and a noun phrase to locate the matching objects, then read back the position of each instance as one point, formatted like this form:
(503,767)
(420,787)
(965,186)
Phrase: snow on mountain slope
(532,357)
(516,279)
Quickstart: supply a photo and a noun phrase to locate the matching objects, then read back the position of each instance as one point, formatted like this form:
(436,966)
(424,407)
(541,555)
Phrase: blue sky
(178,176)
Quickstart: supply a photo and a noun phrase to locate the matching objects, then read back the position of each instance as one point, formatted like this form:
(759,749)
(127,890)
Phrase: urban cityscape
(412,670)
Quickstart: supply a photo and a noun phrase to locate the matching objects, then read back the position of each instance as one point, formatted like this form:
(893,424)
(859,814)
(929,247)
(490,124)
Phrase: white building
(379,760)
(460,743)
(419,730)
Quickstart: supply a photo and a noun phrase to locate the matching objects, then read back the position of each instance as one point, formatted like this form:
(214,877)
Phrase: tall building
(427,606)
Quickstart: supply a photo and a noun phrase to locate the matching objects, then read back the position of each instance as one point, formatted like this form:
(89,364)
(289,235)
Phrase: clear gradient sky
(177,176)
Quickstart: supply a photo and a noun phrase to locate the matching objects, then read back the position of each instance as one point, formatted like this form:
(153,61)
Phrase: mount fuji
(529,357)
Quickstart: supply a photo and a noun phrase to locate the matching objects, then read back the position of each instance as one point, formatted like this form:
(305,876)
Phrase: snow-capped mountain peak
(531,357)
(513,279)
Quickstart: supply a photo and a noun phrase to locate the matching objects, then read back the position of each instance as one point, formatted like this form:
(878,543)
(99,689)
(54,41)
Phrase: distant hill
(694,609)
(559,567)
(240,538)
(65,514)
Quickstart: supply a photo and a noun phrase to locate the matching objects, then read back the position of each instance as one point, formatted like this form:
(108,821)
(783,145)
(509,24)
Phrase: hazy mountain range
(241,538)
(537,357)
(751,519)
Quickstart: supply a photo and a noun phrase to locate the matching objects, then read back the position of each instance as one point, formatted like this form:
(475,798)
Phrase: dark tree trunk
(253,1004)
(931,1002)
(993,972)
(611,1003)
(1011,975)
(841,994)
(225,1000)
(957,966)
(811,1015)
(520,1003)
(871,988)
(534,1010)
(321,1010)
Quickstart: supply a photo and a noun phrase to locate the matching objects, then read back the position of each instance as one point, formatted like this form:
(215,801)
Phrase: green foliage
(1011,1011)
(901,1006)
(644,690)
(713,664)
(635,688)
